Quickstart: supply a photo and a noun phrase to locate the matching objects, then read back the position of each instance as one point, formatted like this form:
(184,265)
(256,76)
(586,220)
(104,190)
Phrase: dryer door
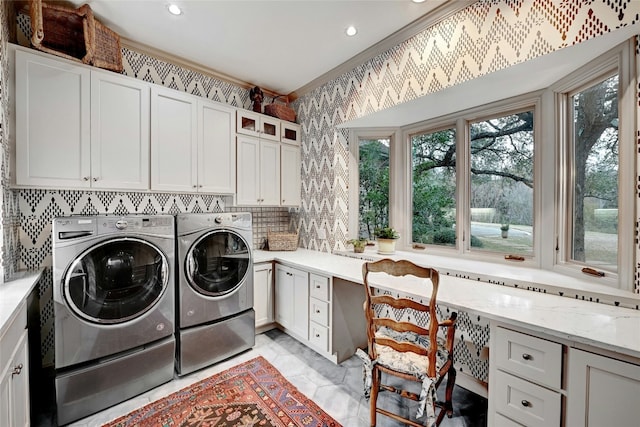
(218,263)
(116,281)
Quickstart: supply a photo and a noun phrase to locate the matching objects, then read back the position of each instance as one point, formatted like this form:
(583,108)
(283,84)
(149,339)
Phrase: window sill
(532,279)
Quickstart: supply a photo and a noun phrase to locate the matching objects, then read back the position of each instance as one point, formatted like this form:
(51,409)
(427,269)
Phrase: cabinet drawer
(529,357)
(320,287)
(502,421)
(319,311)
(319,336)
(526,402)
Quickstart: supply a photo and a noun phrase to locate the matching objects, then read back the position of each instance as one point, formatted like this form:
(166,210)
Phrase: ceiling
(281,46)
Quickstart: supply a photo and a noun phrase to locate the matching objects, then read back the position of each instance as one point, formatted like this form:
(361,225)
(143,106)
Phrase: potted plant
(358,244)
(504,229)
(387,237)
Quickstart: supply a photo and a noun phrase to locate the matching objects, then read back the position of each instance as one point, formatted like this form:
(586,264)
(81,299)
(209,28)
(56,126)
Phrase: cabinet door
(289,175)
(216,149)
(300,303)
(601,391)
(269,173)
(14,387)
(119,132)
(290,132)
(263,293)
(270,128)
(284,296)
(248,171)
(173,141)
(52,122)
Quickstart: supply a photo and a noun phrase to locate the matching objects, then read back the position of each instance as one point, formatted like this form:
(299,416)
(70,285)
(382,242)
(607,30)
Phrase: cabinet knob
(195,186)
(526,403)
(200,186)
(317,311)
(526,356)
(317,335)
(95,179)
(17,370)
(85,178)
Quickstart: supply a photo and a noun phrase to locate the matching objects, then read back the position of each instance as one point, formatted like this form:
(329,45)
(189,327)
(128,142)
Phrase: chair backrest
(375,319)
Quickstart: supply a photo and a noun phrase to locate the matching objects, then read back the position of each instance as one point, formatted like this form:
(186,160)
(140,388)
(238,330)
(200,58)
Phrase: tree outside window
(373,206)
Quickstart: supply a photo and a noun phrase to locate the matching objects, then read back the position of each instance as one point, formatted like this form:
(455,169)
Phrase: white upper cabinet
(258,172)
(216,148)
(119,132)
(174,124)
(290,133)
(52,122)
(79,128)
(258,125)
(290,175)
(192,146)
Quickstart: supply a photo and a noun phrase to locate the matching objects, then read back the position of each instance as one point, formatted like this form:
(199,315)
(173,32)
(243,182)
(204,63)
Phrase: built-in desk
(588,343)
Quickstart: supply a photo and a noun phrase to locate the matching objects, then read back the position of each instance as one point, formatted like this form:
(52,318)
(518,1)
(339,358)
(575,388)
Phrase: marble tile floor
(337,389)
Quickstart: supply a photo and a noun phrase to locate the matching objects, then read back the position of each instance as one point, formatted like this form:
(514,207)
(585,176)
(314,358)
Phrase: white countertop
(601,325)
(13,293)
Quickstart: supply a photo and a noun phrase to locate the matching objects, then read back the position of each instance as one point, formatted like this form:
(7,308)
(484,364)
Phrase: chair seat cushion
(408,362)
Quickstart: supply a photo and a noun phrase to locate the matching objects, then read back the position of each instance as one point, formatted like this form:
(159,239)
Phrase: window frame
(620,61)
(550,186)
(461,122)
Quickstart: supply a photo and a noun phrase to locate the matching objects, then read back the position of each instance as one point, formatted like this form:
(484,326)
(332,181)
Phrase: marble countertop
(13,293)
(600,325)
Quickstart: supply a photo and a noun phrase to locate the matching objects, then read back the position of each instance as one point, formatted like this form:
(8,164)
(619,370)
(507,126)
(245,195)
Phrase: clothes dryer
(114,309)
(215,288)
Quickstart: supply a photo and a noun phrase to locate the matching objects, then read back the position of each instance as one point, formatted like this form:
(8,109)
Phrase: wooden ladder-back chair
(401,348)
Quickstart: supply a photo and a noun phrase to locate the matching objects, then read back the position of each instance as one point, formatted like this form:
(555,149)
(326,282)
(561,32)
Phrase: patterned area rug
(253,393)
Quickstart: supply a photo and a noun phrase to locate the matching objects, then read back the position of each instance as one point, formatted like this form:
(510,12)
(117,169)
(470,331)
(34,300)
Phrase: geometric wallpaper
(485,37)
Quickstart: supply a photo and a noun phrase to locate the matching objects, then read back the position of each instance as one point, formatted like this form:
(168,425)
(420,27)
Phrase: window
(373,199)
(594,165)
(548,177)
(433,165)
(501,151)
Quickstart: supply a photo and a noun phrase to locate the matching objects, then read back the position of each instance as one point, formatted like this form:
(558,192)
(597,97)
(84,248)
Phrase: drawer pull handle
(317,286)
(17,370)
(526,356)
(526,403)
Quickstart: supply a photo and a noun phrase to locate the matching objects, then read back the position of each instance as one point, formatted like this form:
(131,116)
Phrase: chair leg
(373,398)
(451,381)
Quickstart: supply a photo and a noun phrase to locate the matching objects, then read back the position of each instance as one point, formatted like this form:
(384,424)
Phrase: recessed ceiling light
(418,1)
(174,9)
(351,31)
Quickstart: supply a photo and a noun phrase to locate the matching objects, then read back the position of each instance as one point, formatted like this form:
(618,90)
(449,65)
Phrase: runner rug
(251,394)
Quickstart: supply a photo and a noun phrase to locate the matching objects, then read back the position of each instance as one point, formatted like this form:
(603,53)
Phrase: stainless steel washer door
(116,281)
(218,263)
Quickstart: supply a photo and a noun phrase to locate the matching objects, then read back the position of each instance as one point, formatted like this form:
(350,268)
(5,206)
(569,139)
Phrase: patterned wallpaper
(485,37)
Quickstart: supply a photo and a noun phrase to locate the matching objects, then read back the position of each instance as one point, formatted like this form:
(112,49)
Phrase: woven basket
(107,53)
(74,34)
(282,241)
(280,111)
(62,31)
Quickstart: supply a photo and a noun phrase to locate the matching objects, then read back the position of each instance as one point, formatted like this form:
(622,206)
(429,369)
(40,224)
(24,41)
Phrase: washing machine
(215,314)
(114,309)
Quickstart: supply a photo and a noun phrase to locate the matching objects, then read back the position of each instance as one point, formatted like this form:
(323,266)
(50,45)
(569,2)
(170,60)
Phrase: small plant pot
(505,234)
(358,249)
(386,246)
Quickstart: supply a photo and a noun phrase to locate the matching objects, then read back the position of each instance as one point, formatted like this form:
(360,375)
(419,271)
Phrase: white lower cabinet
(323,312)
(525,378)
(263,294)
(292,301)
(602,391)
(539,380)
(14,373)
